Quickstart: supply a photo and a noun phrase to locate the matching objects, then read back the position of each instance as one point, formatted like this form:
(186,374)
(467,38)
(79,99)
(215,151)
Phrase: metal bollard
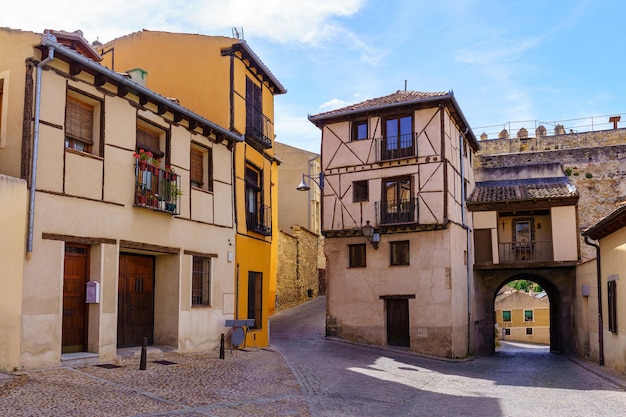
(222,346)
(144,349)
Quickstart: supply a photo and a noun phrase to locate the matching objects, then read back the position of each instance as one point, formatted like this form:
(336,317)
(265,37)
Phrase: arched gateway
(558,284)
(525,227)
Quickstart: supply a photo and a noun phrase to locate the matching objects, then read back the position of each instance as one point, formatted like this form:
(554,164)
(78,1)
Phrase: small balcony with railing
(157,189)
(259,219)
(525,252)
(396,147)
(391,212)
(259,128)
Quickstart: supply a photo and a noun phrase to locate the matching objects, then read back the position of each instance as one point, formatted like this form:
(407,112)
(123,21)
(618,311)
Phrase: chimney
(138,75)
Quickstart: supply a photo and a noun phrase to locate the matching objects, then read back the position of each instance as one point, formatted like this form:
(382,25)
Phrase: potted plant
(143,158)
(174,193)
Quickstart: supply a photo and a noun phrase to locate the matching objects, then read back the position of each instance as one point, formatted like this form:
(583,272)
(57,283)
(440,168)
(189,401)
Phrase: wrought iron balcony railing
(157,189)
(260,220)
(532,251)
(259,128)
(396,147)
(397,211)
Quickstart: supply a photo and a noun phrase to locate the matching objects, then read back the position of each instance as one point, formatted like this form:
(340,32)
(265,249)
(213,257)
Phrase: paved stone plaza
(305,374)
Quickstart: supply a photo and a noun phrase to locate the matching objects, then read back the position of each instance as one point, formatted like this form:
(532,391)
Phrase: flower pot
(141,200)
(142,165)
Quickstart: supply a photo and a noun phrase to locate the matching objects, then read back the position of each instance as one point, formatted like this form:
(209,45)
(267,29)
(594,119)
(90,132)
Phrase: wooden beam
(178,117)
(162,109)
(99,80)
(128,244)
(143,99)
(122,90)
(79,239)
(75,68)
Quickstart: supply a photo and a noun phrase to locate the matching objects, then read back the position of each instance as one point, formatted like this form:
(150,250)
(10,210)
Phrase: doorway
(74,322)
(135,315)
(397,322)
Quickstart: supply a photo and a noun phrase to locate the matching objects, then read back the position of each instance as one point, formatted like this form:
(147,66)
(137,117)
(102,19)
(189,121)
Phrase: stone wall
(597,169)
(297,272)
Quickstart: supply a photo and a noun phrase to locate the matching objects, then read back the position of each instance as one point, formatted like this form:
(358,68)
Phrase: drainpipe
(33,171)
(600,322)
(469,243)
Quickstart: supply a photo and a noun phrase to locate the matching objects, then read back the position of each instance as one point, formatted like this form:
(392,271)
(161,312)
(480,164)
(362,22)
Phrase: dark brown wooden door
(482,246)
(135,315)
(74,323)
(398,322)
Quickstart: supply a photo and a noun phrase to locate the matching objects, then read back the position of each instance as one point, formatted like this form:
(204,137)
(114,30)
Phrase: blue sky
(506,61)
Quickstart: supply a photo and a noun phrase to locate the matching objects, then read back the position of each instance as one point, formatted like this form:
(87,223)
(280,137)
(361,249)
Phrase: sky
(510,63)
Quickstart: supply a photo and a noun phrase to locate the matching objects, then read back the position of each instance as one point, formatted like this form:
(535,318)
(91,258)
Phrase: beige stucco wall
(13,221)
(564,233)
(586,311)
(613,264)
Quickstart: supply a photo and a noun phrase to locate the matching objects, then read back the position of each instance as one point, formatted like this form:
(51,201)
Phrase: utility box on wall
(93,292)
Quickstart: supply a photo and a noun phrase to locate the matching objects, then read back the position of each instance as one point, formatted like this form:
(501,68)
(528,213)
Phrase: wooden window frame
(399,253)
(528,317)
(201,281)
(612,305)
(82,122)
(360,191)
(201,158)
(357,255)
(356,130)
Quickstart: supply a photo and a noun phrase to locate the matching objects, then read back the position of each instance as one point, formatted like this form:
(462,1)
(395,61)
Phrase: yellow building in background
(222,79)
(522,317)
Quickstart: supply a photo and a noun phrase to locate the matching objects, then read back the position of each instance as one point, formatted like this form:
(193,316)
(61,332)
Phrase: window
(82,123)
(359,130)
(507,332)
(360,191)
(258,216)
(258,127)
(201,281)
(255,292)
(357,255)
(506,315)
(2,106)
(529,331)
(151,139)
(201,171)
(397,205)
(399,252)
(528,315)
(612,300)
(398,142)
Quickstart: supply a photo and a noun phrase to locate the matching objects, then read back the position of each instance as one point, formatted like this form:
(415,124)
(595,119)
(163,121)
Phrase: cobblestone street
(305,374)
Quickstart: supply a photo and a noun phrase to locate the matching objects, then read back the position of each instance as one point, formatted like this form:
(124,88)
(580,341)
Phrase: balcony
(259,128)
(525,252)
(260,220)
(396,147)
(157,189)
(397,211)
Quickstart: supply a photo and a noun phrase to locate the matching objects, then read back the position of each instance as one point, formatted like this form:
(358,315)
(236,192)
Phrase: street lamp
(319,180)
(370,234)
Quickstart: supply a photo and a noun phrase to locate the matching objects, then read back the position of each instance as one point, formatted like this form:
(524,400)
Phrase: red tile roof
(504,191)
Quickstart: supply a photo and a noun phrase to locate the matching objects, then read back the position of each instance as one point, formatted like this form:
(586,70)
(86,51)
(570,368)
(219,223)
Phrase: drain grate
(164,362)
(108,366)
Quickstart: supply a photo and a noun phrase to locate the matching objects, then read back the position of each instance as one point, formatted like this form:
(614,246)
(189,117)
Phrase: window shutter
(197,168)
(149,141)
(79,120)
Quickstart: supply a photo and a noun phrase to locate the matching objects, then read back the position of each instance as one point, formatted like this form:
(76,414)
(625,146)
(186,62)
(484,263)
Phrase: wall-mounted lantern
(370,234)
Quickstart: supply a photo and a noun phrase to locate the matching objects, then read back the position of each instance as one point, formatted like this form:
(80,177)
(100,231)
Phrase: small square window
(357,255)
(359,130)
(529,330)
(360,191)
(507,332)
(506,315)
(528,315)
(399,252)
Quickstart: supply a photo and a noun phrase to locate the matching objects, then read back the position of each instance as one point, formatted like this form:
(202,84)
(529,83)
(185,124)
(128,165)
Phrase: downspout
(468,260)
(33,171)
(600,322)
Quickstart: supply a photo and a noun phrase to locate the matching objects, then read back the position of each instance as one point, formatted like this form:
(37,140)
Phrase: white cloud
(334,103)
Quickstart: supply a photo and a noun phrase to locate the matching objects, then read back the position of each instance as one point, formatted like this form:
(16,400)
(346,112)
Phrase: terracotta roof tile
(494,192)
(398,97)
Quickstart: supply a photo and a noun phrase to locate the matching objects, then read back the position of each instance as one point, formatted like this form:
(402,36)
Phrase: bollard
(144,348)
(222,346)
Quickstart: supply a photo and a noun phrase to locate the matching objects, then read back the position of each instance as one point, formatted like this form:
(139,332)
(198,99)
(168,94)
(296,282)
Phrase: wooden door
(74,322)
(398,322)
(482,246)
(135,315)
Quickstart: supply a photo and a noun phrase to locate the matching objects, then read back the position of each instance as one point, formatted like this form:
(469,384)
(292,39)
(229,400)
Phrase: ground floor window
(201,281)
(255,292)
(529,331)
(507,332)
(612,300)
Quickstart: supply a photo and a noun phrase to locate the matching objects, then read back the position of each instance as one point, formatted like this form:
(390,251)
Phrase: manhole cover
(163,362)
(108,366)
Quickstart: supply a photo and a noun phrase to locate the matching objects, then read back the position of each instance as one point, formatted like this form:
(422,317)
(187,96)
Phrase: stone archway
(558,283)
